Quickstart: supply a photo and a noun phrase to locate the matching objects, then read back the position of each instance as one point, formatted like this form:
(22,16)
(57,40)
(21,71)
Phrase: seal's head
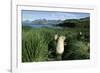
(56,37)
(62,38)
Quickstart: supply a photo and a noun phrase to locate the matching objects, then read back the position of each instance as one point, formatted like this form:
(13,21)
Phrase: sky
(51,15)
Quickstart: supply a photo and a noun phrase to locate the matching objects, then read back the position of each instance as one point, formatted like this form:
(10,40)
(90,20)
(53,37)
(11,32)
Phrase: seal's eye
(64,37)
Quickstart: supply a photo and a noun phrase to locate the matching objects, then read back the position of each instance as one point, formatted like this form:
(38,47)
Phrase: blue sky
(50,15)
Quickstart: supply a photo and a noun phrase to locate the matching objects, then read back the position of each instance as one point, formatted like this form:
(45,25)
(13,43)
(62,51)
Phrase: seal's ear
(56,37)
(63,37)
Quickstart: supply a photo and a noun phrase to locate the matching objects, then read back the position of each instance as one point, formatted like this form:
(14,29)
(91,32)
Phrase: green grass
(35,43)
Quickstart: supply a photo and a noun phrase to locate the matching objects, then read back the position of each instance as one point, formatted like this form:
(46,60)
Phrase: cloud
(51,15)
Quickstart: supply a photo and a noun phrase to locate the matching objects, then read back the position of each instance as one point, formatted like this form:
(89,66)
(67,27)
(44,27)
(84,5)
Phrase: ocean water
(44,25)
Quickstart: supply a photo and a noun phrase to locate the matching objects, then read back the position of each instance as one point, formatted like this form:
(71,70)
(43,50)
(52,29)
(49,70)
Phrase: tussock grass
(35,43)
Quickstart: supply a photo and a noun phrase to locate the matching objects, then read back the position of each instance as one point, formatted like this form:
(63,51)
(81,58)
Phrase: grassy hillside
(78,23)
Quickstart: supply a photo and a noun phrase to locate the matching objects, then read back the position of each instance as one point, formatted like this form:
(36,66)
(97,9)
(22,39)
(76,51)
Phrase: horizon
(48,20)
(32,15)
